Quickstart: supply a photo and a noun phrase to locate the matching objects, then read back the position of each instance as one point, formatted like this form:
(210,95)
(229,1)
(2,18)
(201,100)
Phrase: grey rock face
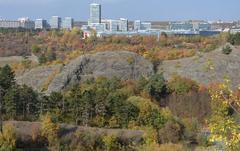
(121,64)
(206,68)
(36,77)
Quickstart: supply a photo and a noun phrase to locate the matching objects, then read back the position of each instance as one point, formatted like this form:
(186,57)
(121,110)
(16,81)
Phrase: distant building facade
(55,22)
(100,27)
(9,24)
(20,23)
(41,24)
(114,25)
(146,26)
(138,25)
(185,25)
(95,13)
(123,25)
(67,23)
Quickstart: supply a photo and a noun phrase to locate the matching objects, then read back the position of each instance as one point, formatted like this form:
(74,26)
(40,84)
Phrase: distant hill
(204,68)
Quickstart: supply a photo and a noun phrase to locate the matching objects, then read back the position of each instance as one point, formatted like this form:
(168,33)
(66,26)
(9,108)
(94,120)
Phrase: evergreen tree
(156,86)
(10,101)
(7,77)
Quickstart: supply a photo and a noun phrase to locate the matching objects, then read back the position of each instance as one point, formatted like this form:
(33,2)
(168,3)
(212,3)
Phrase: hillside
(206,68)
(121,64)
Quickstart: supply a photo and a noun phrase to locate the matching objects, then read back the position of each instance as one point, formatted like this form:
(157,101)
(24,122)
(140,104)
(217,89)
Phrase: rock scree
(122,64)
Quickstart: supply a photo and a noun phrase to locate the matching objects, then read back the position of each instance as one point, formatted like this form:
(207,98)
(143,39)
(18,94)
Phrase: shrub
(171,133)
(110,142)
(163,147)
(42,59)
(182,85)
(26,63)
(234,39)
(226,50)
(8,138)
(191,129)
(149,113)
(36,48)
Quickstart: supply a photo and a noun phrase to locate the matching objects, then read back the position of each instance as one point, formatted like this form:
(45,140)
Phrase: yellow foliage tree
(8,138)
(224,127)
(50,130)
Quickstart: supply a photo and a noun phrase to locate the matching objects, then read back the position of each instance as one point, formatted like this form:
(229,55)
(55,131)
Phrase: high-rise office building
(67,23)
(95,13)
(123,25)
(41,24)
(55,22)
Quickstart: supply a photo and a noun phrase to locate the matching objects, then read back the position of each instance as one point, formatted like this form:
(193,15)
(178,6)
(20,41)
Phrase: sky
(147,10)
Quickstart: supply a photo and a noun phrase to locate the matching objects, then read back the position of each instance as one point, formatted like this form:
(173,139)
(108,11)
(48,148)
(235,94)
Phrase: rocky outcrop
(121,64)
(206,68)
(38,77)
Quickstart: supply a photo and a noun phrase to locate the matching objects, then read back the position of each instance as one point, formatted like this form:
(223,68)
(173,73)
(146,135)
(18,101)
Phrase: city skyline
(151,10)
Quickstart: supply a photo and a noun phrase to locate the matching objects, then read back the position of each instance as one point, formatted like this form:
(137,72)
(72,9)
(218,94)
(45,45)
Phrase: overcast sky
(131,9)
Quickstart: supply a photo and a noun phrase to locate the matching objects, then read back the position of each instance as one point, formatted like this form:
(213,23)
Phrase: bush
(42,59)
(171,133)
(181,85)
(234,39)
(191,129)
(163,147)
(110,142)
(8,138)
(226,50)
(36,48)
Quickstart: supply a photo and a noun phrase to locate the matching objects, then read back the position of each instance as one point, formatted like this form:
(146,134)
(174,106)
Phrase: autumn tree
(50,130)
(223,126)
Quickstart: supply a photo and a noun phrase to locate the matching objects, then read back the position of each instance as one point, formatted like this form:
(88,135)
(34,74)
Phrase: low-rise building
(185,25)
(20,23)
(138,25)
(146,26)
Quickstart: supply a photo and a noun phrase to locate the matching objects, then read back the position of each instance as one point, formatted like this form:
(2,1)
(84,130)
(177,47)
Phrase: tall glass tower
(95,13)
